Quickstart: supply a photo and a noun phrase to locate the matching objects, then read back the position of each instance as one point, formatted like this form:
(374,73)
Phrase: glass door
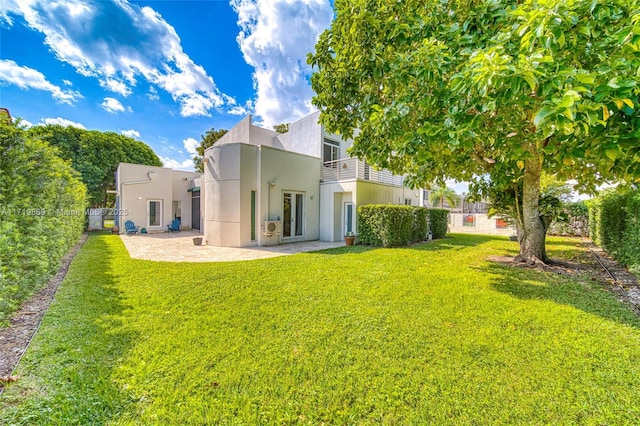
(349,218)
(292,214)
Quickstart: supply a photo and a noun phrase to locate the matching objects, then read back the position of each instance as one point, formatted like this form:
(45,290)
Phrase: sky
(163,72)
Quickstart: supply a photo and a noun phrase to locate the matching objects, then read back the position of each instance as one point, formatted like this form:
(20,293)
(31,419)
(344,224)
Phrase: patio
(179,247)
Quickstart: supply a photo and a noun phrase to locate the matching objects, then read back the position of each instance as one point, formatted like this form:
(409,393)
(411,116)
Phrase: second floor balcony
(353,169)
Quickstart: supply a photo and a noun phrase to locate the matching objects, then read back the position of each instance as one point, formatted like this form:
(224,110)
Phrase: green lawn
(427,334)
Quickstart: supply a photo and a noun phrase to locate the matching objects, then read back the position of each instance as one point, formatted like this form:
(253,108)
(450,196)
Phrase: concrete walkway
(179,247)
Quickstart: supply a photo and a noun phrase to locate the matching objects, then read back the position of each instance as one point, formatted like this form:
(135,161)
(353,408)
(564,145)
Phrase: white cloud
(67,82)
(275,37)
(29,78)
(190,144)
(112,105)
(131,133)
(25,124)
(116,86)
(186,165)
(119,43)
(62,121)
(153,94)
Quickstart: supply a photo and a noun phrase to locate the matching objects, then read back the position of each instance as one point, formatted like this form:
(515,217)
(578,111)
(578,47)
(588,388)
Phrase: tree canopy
(207,140)
(281,128)
(487,91)
(441,194)
(95,155)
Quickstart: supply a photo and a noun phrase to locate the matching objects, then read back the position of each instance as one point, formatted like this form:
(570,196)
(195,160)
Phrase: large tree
(208,139)
(493,90)
(95,155)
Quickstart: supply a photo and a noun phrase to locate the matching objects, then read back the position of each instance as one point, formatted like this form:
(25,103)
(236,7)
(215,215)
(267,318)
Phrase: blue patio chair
(130,228)
(175,226)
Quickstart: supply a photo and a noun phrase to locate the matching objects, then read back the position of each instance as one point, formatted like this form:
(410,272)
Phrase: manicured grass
(427,334)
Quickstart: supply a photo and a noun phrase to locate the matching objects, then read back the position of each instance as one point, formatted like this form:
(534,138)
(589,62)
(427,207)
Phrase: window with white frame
(330,152)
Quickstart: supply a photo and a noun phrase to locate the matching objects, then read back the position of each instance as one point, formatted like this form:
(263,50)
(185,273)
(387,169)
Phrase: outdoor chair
(175,226)
(130,228)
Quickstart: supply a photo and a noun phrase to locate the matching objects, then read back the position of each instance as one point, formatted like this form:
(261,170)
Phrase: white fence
(479,223)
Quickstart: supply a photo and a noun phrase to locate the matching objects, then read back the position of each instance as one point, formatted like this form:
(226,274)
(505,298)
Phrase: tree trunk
(533,238)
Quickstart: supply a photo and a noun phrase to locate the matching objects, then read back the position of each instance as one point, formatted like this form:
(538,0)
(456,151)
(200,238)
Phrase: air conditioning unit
(271,227)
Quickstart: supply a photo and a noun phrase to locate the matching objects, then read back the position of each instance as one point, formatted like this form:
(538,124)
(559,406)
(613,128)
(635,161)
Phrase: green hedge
(42,205)
(615,225)
(575,222)
(420,224)
(438,222)
(390,225)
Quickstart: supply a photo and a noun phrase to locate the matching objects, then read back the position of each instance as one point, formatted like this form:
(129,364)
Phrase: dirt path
(24,323)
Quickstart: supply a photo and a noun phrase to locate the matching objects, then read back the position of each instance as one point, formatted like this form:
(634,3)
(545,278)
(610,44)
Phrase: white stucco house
(152,197)
(261,188)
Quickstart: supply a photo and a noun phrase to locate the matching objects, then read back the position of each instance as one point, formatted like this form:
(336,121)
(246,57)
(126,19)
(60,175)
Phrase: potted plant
(349,238)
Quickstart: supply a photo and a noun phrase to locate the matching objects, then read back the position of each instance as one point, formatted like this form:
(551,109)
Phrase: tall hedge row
(615,225)
(438,222)
(390,225)
(42,205)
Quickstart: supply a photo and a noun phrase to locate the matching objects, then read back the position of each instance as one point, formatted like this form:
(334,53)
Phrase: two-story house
(261,187)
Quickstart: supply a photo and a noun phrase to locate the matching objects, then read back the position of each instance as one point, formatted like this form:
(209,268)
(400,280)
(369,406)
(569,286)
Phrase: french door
(292,214)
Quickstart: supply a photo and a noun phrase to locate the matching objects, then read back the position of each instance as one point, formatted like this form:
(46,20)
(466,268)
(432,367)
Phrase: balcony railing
(354,169)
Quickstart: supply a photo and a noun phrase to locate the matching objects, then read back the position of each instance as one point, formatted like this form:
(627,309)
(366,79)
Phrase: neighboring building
(153,196)
(262,187)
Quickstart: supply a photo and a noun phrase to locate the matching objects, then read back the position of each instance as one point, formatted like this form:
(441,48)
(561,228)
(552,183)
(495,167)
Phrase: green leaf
(531,81)
(542,115)
(612,153)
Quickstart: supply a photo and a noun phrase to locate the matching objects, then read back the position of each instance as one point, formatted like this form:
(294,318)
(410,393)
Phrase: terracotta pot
(349,240)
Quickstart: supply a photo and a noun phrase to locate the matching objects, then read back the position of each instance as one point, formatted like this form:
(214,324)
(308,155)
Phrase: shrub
(614,221)
(42,205)
(390,225)
(420,224)
(594,206)
(438,219)
(576,223)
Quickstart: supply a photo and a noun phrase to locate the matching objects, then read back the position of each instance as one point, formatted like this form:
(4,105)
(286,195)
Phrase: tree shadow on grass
(69,367)
(578,289)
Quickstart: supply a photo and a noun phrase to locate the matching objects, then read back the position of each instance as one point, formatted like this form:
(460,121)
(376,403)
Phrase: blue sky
(163,72)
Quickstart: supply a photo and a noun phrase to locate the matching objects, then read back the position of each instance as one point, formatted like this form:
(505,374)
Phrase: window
(407,201)
(330,152)
(154,210)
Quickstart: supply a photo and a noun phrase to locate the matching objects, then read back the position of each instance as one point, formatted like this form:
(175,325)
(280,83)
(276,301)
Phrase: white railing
(354,169)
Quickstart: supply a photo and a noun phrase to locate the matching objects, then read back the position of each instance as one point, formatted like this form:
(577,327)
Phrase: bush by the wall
(438,222)
(615,225)
(385,225)
(390,225)
(420,224)
(42,205)
(576,223)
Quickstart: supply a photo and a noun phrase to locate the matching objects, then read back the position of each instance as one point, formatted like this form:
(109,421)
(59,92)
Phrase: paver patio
(179,247)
